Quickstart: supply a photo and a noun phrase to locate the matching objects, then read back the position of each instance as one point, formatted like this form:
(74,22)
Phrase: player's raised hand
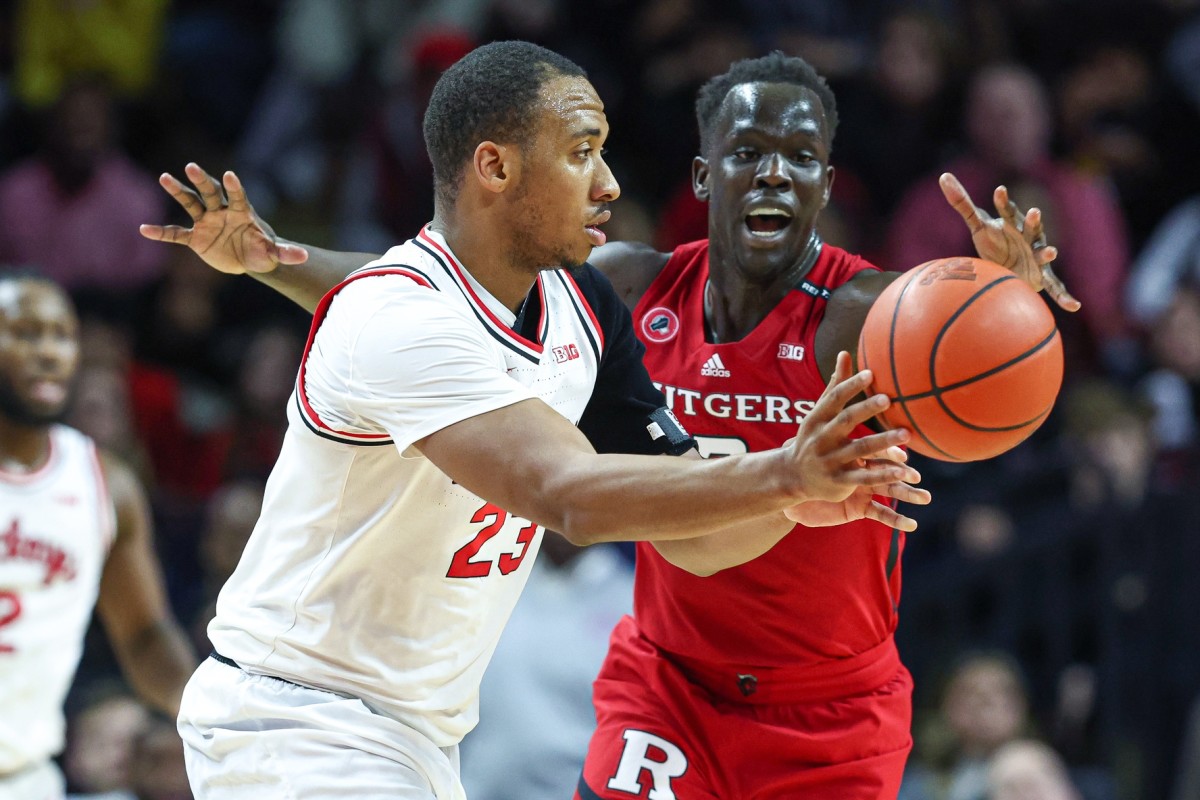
(1012,239)
(842,475)
(225,231)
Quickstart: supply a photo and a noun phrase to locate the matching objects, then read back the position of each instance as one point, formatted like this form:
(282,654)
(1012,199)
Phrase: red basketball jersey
(820,593)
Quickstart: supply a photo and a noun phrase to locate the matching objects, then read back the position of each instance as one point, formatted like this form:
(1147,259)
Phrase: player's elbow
(583,528)
(691,555)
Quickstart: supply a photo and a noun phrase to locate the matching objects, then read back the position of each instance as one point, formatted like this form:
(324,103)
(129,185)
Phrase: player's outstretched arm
(230,237)
(559,481)
(826,430)
(151,647)
(1012,239)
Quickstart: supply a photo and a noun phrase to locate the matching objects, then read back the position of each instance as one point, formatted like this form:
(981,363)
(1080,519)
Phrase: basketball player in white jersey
(74,534)
(434,437)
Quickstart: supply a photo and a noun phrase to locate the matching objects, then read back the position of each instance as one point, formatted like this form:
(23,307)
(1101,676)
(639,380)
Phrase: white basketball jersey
(370,572)
(56,526)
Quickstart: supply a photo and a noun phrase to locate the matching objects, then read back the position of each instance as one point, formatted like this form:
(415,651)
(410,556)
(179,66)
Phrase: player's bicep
(509,454)
(844,317)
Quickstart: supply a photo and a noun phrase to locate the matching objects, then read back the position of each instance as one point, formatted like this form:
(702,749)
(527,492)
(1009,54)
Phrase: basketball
(969,355)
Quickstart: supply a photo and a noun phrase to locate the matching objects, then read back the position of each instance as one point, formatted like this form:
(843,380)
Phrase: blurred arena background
(1050,594)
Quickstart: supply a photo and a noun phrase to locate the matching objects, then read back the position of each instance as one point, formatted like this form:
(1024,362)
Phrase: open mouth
(767,221)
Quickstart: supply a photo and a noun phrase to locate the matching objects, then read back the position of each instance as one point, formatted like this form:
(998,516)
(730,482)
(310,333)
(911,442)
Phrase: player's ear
(700,179)
(828,186)
(494,166)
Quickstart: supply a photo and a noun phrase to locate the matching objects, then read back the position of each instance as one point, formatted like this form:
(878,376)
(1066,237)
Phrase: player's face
(39,352)
(565,187)
(766,176)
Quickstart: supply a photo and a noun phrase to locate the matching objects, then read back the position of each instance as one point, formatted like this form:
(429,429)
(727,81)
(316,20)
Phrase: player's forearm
(157,662)
(617,497)
(728,547)
(305,284)
(556,479)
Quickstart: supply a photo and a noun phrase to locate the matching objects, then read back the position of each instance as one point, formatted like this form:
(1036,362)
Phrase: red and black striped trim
(313,420)
(591,326)
(500,331)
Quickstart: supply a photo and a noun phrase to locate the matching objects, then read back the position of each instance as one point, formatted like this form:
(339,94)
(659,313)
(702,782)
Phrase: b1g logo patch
(791,352)
(660,325)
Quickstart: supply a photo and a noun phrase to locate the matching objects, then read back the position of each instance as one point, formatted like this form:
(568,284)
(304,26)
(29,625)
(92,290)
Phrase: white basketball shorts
(248,737)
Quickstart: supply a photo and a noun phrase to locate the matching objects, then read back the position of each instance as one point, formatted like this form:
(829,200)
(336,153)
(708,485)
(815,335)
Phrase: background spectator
(1028,770)
(1009,128)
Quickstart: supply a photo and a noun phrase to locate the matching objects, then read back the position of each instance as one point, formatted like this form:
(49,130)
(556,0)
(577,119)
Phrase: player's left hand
(863,503)
(1012,239)
(226,232)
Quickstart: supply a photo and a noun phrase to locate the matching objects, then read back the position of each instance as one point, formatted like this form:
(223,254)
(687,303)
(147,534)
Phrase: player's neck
(489,260)
(734,305)
(23,448)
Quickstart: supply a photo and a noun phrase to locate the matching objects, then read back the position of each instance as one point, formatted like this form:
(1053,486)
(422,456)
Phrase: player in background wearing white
(74,534)
(433,438)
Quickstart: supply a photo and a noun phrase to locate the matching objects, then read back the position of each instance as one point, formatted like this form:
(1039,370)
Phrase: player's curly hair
(488,94)
(772,68)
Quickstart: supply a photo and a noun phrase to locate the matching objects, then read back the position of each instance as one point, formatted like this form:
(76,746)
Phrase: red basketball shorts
(672,731)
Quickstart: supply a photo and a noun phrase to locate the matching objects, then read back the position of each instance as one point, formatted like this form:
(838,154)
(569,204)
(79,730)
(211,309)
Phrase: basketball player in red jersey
(777,678)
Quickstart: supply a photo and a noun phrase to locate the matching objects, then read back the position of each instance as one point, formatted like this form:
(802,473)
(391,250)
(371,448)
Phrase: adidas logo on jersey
(714,368)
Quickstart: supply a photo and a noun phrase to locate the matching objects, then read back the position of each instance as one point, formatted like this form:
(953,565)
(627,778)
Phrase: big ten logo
(568,352)
(791,352)
(950,269)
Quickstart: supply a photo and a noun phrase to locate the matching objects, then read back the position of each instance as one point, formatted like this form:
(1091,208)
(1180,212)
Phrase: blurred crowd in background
(1050,596)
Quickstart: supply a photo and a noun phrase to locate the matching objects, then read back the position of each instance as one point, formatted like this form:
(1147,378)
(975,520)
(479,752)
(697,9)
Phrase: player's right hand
(840,475)
(225,231)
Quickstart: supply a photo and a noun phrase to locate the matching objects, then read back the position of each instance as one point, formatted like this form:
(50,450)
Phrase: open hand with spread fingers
(1012,239)
(844,475)
(225,231)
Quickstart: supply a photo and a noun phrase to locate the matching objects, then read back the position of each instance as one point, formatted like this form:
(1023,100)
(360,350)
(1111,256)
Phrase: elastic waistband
(229,662)
(825,680)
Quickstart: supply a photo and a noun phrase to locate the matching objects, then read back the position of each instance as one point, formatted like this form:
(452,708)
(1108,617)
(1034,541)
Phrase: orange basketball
(969,354)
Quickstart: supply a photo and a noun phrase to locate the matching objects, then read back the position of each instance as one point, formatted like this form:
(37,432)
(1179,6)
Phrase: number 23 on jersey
(467,562)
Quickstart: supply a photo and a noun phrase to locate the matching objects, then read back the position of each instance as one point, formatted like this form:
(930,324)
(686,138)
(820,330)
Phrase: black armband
(663,423)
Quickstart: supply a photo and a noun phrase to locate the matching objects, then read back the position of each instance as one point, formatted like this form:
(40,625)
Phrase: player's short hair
(25,272)
(772,68)
(487,95)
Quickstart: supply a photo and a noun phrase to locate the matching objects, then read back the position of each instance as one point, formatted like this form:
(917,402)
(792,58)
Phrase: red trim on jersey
(458,269)
(543,327)
(318,318)
(586,307)
(24,478)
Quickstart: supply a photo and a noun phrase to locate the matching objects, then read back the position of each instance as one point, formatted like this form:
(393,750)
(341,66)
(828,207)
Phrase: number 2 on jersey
(465,565)
(10,609)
